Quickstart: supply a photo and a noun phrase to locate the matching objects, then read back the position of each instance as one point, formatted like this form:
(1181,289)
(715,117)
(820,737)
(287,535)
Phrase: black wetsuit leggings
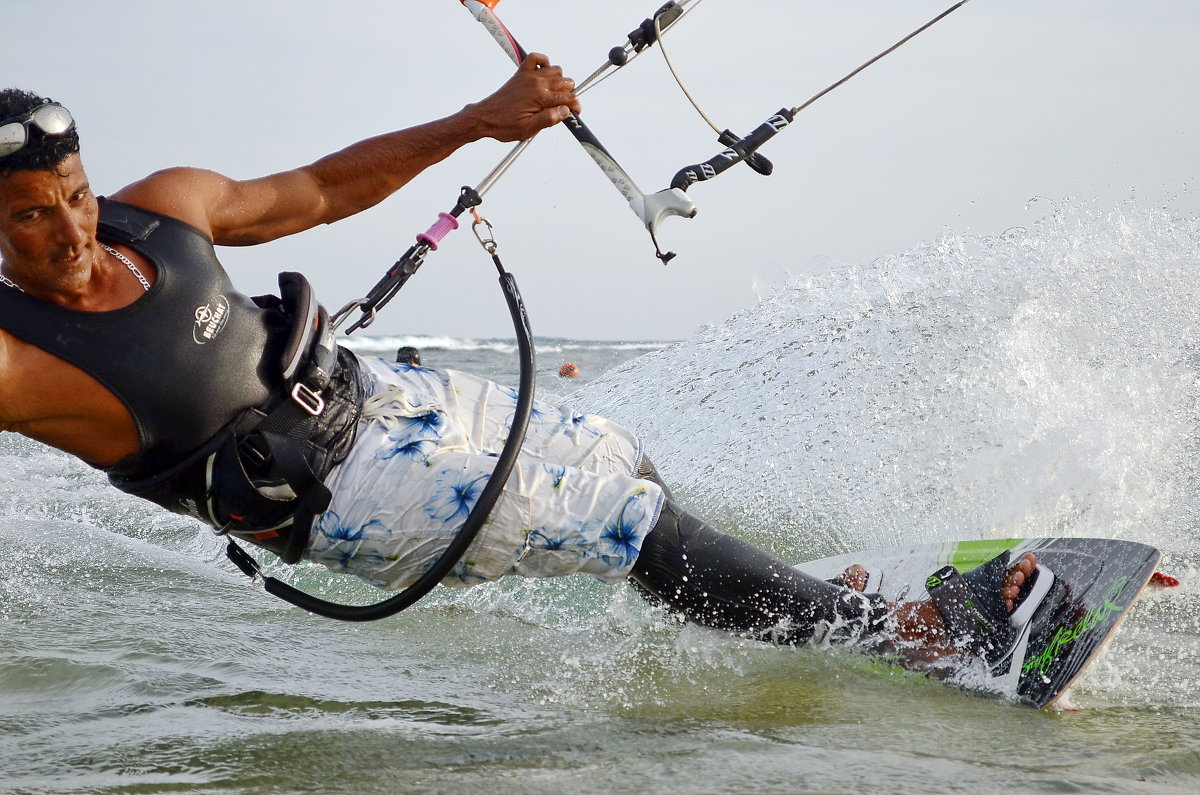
(721,582)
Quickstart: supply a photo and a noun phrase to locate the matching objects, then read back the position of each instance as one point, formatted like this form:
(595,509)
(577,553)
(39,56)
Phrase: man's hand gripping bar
(652,208)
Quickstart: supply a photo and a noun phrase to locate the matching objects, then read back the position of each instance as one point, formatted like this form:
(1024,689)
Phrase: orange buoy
(568,370)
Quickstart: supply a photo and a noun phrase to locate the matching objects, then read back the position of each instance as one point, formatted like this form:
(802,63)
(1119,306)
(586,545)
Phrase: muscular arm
(361,175)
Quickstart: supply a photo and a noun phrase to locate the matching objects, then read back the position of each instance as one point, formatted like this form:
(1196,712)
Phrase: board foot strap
(973,613)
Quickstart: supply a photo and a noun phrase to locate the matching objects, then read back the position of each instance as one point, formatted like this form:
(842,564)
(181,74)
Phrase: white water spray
(1040,382)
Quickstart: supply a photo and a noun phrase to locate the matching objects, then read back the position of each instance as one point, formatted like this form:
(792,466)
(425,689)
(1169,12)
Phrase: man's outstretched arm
(235,212)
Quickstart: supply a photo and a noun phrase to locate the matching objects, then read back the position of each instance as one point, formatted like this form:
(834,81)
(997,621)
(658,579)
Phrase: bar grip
(736,153)
(755,160)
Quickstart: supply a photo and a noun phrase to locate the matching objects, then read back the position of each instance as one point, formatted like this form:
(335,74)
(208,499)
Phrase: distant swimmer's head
(36,133)
(568,370)
(407,354)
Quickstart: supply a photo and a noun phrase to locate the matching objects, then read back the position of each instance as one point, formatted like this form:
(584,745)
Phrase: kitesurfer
(124,343)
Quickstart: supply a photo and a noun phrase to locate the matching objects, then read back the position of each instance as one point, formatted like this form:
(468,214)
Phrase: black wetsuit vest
(198,366)
(187,338)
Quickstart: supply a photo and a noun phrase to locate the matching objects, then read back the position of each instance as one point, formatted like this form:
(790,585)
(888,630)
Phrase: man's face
(48,227)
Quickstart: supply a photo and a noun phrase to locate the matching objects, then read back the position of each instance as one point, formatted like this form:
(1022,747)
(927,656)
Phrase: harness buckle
(307,399)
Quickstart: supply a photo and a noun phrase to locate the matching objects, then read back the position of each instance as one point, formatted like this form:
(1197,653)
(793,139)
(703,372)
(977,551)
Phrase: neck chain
(128,264)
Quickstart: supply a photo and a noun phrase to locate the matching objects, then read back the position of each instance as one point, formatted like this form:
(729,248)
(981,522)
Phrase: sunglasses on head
(51,119)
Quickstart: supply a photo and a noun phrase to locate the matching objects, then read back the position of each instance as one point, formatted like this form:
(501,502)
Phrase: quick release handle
(403,269)
(736,153)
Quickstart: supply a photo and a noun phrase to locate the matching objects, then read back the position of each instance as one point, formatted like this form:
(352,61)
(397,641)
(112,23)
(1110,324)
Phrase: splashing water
(1041,382)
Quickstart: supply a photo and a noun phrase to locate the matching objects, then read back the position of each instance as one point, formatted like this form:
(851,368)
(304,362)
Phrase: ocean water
(1045,381)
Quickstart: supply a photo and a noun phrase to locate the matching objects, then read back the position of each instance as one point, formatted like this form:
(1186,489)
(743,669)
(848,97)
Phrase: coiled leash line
(380,294)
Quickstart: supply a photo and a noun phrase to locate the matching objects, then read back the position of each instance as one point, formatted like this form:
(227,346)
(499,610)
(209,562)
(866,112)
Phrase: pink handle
(445,224)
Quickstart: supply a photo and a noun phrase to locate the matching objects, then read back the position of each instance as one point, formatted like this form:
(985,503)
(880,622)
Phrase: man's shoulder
(182,193)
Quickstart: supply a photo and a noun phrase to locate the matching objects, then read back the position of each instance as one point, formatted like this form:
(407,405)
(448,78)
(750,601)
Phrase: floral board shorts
(426,445)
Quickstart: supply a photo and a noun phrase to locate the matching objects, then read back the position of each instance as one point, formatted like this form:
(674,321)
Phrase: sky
(1002,102)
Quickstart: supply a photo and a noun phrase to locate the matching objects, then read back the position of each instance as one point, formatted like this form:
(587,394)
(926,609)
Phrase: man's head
(48,213)
(41,151)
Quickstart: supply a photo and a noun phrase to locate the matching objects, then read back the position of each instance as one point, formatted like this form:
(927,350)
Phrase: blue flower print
(405,367)
(577,424)
(417,449)
(542,424)
(339,541)
(427,425)
(462,572)
(339,559)
(331,525)
(551,538)
(537,417)
(618,538)
(558,472)
(414,437)
(456,495)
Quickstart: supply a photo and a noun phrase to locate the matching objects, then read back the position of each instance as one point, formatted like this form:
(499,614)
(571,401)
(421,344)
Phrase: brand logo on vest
(210,319)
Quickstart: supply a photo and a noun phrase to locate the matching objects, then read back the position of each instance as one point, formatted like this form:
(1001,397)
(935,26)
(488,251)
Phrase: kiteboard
(1083,589)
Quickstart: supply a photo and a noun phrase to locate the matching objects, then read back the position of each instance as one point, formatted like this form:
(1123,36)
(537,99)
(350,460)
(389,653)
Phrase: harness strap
(294,466)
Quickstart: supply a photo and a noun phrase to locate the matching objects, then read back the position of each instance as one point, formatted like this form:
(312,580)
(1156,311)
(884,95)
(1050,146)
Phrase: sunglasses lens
(53,119)
(12,137)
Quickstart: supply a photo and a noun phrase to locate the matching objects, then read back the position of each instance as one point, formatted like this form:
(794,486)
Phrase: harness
(260,477)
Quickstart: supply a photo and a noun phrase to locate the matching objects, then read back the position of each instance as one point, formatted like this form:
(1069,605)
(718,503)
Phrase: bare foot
(919,625)
(1016,578)
(854,578)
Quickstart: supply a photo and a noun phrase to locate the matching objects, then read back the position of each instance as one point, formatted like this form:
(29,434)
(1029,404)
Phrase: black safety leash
(383,291)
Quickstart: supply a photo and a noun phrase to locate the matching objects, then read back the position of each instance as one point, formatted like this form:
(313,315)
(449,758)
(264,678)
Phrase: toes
(1017,575)
(854,577)
(1021,571)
